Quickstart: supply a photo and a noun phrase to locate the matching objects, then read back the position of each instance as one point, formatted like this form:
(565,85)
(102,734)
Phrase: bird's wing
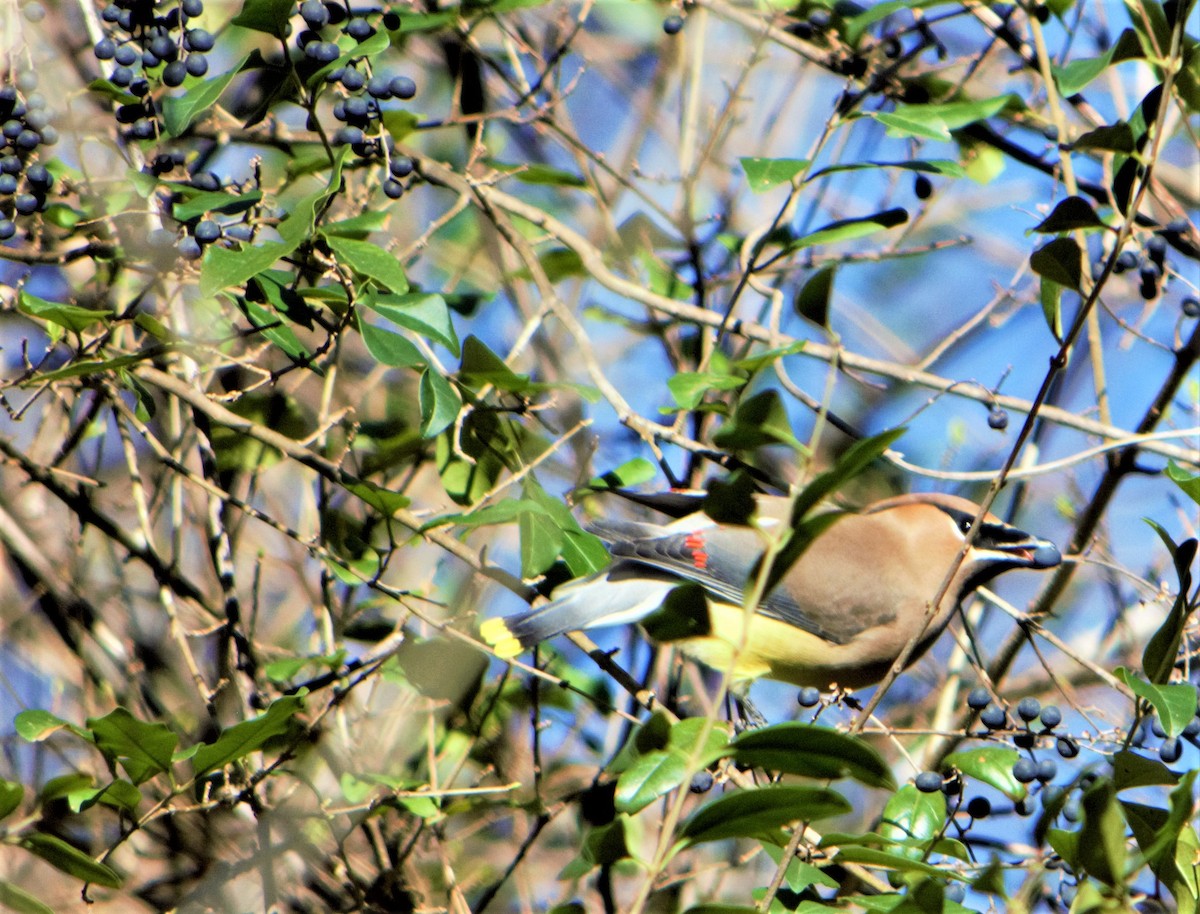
(721,559)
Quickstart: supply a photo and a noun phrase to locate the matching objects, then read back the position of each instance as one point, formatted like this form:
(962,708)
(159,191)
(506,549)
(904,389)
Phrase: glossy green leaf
(1116,137)
(1050,296)
(1131,769)
(1186,481)
(35,725)
(70,860)
(535,173)
(912,819)
(249,736)
(689,387)
(11,794)
(629,474)
(1069,214)
(273,328)
(760,812)
(946,167)
(144,749)
(385,501)
(812,751)
(541,542)
(196,204)
(1174,703)
(1072,77)
(759,420)
(990,765)
(648,778)
(812,301)
(179,111)
(1102,835)
(763,174)
(270,16)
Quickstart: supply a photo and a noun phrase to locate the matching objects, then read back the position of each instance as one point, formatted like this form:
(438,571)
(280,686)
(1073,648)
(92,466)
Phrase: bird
(839,617)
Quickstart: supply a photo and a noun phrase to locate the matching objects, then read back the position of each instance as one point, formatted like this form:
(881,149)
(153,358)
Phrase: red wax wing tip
(695,542)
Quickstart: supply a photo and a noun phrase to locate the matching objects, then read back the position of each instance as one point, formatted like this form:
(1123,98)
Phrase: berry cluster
(1151,264)
(24,128)
(318,15)
(151,41)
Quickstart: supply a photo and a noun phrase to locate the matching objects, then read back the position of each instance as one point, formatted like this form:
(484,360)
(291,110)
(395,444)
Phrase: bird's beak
(1030,552)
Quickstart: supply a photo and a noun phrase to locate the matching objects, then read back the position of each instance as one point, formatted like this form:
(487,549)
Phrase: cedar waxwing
(840,615)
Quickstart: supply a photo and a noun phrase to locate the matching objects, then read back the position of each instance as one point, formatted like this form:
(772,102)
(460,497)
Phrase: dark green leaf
(213,201)
(358,227)
(731,500)
(1102,835)
(1175,703)
(689,387)
(249,736)
(683,614)
(811,751)
(1070,213)
(539,174)
(1050,294)
(947,167)
(541,542)
(143,749)
(179,111)
(812,301)
(760,420)
(270,16)
(1130,770)
(1060,261)
(763,174)
(913,819)
(1116,137)
(759,813)
(858,457)
(648,778)
(272,327)
(67,859)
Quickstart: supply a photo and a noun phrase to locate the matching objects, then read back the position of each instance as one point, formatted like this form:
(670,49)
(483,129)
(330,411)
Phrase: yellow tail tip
(495,632)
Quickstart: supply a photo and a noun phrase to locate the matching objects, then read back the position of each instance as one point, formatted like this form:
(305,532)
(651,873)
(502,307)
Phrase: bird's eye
(964,526)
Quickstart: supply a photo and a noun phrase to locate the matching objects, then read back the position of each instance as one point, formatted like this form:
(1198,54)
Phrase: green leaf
(179,111)
(1072,77)
(143,749)
(1188,483)
(947,167)
(249,736)
(358,227)
(1050,295)
(811,751)
(1175,703)
(763,174)
(370,262)
(272,328)
(17,899)
(481,366)
(990,765)
(270,16)
(369,47)
(385,501)
(1070,213)
(35,725)
(908,123)
(119,795)
(1101,849)
(1060,261)
(648,778)
(1116,137)
(629,474)
(1131,770)
(857,458)
(759,420)
(67,859)
(71,317)
(212,201)
(534,173)
(387,346)
(582,552)
(913,819)
(420,312)
(11,794)
(689,387)
(759,813)
(849,229)
(439,402)
(812,301)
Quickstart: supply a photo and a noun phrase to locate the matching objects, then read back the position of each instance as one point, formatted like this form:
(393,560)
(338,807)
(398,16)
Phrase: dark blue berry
(808,697)
(379,87)
(8,184)
(12,129)
(206,180)
(149,61)
(979,808)
(240,232)
(359,29)
(1028,709)
(1072,812)
(402,87)
(207,231)
(978,698)
(998,418)
(1170,751)
(314,14)
(28,139)
(189,247)
(1024,770)
(673,25)
(1047,768)
(1051,717)
(928,782)
(955,892)
(325,51)
(702,782)
(143,129)
(922,187)
(353,80)
(174,73)
(126,55)
(162,47)
(1126,261)
(10,165)
(400,166)
(25,204)
(198,40)
(1157,728)
(1190,307)
(993,717)
(140,87)
(1067,747)
(356,107)
(49,135)
(391,20)
(393,189)
(121,76)
(197,64)
(27,81)
(8,228)
(192,8)
(106,48)
(110,13)
(347,136)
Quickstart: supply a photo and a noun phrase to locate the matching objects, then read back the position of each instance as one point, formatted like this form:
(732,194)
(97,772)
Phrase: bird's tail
(609,599)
